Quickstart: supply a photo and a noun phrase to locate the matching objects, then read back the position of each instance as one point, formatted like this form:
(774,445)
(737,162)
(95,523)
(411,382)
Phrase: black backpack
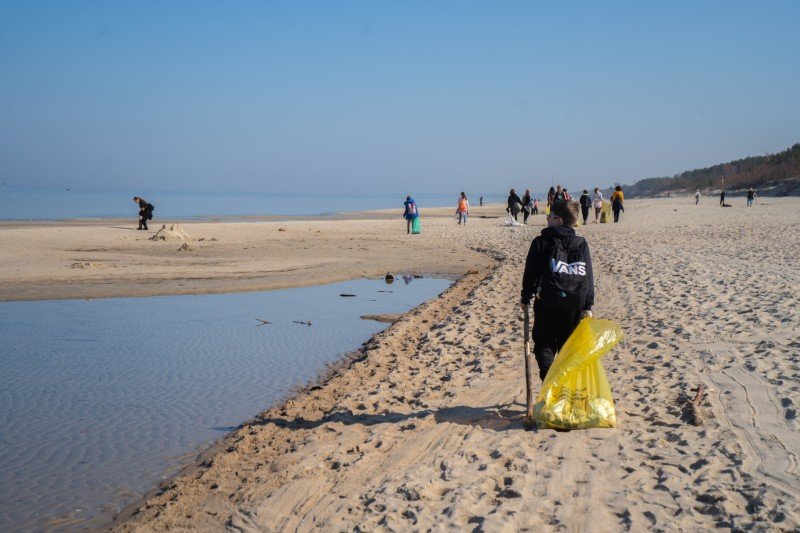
(151,207)
(564,281)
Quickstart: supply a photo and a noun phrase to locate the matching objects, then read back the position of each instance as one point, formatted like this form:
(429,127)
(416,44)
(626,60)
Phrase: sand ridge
(423,429)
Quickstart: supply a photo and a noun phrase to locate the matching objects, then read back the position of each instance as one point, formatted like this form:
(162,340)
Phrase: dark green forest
(772,175)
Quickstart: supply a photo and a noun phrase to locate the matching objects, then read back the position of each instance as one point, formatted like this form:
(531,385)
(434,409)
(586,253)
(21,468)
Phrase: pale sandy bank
(423,429)
(104,259)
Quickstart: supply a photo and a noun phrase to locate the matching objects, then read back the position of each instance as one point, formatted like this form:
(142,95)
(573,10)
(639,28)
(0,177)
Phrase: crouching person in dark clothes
(558,272)
(145,211)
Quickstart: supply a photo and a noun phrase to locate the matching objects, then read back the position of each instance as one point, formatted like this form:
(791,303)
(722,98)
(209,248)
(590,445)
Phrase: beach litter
(90,264)
(185,248)
(575,393)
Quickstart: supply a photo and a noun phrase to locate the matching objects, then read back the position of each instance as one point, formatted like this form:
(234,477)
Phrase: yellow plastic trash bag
(575,393)
(605,213)
(547,210)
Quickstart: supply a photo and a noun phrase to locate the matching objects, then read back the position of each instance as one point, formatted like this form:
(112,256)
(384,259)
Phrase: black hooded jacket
(540,252)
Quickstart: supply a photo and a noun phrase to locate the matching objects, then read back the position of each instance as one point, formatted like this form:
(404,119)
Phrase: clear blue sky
(388,97)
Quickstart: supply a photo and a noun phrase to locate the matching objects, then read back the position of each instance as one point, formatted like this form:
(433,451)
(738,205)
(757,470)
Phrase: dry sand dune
(423,428)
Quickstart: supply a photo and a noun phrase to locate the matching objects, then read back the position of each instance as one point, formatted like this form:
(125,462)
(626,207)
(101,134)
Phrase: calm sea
(39,203)
(101,398)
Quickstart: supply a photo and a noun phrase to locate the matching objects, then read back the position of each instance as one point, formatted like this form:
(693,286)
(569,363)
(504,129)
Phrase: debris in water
(345,295)
(263,322)
(301,322)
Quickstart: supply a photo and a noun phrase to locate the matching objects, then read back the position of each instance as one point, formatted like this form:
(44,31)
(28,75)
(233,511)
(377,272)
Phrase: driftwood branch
(694,408)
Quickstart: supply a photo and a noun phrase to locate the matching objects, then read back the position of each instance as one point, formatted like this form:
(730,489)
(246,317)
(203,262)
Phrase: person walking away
(586,203)
(597,202)
(722,198)
(480,201)
(559,194)
(567,196)
(558,273)
(536,206)
(551,196)
(617,201)
(527,206)
(514,203)
(697,197)
(751,196)
(410,212)
(463,209)
(145,211)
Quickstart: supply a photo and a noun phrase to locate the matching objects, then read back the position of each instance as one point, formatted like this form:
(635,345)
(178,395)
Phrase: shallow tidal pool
(101,399)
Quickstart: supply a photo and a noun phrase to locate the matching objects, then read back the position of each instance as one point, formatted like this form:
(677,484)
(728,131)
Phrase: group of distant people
(751,197)
(530,206)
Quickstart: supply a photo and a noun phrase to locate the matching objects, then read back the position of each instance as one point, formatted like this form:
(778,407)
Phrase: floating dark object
(389,278)
(263,322)
(347,295)
(385,291)
(302,322)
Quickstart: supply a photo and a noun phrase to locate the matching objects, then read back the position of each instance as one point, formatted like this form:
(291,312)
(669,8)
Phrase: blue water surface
(100,399)
(43,203)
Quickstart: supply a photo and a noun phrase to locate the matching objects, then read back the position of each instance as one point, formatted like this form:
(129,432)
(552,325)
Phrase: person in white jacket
(597,203)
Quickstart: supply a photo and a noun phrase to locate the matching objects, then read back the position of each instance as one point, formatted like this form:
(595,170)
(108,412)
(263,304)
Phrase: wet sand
(423,427)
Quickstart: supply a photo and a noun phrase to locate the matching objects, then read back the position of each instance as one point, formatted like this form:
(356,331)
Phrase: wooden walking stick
(528,370)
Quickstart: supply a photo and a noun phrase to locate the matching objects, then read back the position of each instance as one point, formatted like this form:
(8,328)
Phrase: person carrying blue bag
(411,214)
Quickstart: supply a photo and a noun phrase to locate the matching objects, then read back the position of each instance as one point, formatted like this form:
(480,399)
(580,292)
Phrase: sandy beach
(108,258)
(422,429)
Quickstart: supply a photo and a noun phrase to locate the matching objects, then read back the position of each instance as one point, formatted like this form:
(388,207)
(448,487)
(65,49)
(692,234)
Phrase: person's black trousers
(551,329)
(585,212)
(616,208)
(525,216)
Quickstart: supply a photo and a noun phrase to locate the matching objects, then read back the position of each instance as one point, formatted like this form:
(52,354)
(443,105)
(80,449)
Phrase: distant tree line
(778,172)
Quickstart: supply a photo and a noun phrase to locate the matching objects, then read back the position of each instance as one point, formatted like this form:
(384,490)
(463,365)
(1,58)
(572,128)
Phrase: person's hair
(559,187)
(567,211)
(618,188)
(136,198)
(512,192)
(464,196)
(408,198)
(585,191)
(597,189)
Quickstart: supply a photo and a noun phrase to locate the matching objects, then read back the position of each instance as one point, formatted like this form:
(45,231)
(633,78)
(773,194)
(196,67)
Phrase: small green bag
(416,227)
